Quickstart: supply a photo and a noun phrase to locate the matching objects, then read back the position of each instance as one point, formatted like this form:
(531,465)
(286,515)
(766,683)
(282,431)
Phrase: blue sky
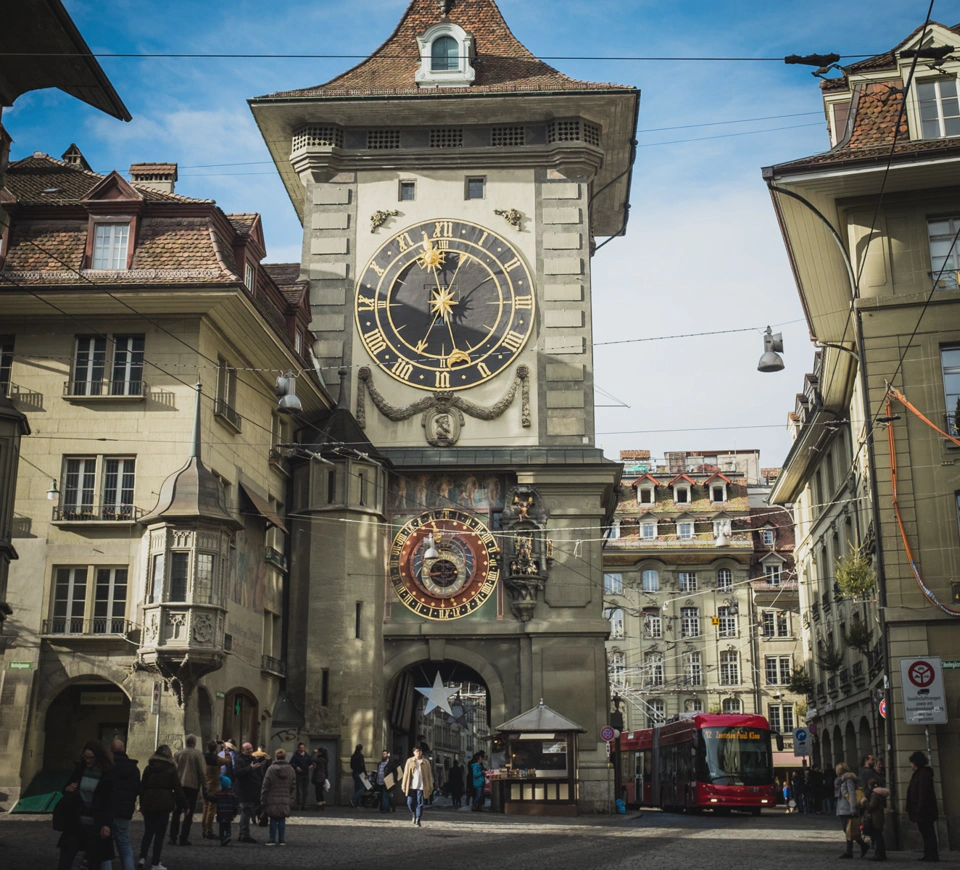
(702,251)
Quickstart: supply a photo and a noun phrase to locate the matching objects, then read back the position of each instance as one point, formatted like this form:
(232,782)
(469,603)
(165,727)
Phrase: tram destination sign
(924,696)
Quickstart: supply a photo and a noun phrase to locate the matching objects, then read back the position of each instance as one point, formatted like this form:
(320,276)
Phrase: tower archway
(83,710)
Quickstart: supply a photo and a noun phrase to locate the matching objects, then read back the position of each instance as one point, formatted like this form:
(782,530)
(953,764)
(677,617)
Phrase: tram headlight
(713,800)
(764,801)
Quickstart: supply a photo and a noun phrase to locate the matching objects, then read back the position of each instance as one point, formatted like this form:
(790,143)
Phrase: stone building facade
(450,207)
(149,511)
(870,229)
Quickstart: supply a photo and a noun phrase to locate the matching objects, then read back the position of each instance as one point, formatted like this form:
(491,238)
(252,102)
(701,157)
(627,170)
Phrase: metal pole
(156,736)
(926,731)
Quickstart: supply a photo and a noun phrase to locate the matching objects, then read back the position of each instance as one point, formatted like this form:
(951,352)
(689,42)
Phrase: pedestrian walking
(279,784)
(478,776)
(788,800)
(211,786)
(227,808)
(358,768)
(873,818)
(880,773)
(160,794)
(249,780)
(302,766)
(455,784)
(86,810)
(921,805)
(126,789)
(867,763)
(845,789)
(417,781)
(386,779)
(191,768)
(321,770)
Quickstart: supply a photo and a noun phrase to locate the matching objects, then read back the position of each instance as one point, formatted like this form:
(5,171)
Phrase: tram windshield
(734,756)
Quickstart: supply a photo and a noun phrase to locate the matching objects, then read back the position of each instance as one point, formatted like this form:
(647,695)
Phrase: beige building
(700,592)
(149,512)
(870,228)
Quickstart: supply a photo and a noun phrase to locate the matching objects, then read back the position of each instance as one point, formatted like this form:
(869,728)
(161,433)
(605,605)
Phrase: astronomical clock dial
(444,564)
(445,305)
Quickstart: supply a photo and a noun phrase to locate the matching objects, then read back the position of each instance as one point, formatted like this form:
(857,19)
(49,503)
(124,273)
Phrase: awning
(787,759)
(263,508)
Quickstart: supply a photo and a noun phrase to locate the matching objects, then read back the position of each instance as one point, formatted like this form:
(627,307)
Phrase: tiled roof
(888,59)
(44,179)
(287,277)
(634,454)
(502,63)
(242,223)
(699,505)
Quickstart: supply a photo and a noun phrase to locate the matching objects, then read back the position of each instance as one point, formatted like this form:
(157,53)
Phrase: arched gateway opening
(83,711)
(447,737)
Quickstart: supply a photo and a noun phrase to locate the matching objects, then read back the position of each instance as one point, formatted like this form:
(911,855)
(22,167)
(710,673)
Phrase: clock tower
(450,188)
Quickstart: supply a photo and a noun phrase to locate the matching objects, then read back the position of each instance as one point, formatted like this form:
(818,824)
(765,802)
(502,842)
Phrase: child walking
(227,808)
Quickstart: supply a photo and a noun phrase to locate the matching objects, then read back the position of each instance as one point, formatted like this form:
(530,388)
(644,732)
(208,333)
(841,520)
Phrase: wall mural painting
(419,492)
(247,573)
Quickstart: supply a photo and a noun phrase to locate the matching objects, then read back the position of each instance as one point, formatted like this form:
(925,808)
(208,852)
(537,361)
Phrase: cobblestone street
(464,841)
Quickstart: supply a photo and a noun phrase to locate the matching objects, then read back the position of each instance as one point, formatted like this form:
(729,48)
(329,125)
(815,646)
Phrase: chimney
(74,157)
(158,176)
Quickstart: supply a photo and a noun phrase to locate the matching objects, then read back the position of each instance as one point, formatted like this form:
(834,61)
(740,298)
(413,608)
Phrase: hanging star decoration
(437,695)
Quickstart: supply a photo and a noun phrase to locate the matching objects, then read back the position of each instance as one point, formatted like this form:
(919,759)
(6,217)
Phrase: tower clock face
(445,305)
(444,564)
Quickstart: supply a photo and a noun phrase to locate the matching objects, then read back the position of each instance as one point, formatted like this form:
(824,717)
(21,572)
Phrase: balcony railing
(96,627)
(104,389)
(844,677)
(947,280)
(273,666)
(112,513)
(227,412)
(275,557)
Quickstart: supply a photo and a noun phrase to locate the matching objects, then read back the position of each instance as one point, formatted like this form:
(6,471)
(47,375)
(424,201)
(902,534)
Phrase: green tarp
(44,791)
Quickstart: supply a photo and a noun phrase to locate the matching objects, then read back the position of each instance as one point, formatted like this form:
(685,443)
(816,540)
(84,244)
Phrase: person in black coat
(88,815)
(249,779)
(455,784)
(126,789)
(921,805)
(358,768)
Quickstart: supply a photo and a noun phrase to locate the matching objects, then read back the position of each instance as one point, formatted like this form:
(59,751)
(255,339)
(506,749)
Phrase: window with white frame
(685,531)
(89,365)
(773,717)
(652,624)
(690,622)
(944,256)
(728,622)
(78,487)
(110,601)
(249,275)
(767,537)
(446,57)
(688,581)
(613,584)
(732,705)
(777,670)
(718,492)
(119,479)
(724,579)
(648,531)
(111,244)
(656,711)
(6,362)
(226,402)
(729,668)
(653,668)
(407,191)
(780,717)
(939,107)
(616,667)
(69,601)
(650,580)
(681,494)
(614,530)
(127,379)
(615,615)
(82,499)
(950,368)
(693,668)
(694,705)
(444,54)
(773,573)
(74,596)
(645,495)
(776,623)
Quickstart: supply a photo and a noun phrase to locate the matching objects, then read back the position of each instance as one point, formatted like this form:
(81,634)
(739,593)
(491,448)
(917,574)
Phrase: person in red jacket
(922,805)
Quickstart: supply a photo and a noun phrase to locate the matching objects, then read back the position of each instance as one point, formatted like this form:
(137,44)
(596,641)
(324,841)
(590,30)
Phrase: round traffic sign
(800,735)
(607,734)
(883,708)
(921,674)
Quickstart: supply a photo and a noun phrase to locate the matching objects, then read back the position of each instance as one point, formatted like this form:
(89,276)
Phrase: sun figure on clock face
(445,305)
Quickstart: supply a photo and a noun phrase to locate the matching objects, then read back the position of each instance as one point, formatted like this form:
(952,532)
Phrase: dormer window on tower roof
(446,55)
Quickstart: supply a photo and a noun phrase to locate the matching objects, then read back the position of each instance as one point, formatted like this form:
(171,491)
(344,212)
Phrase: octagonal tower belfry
(451,187)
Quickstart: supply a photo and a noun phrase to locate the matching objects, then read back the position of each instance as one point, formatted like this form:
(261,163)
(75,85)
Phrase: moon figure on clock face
(445,305)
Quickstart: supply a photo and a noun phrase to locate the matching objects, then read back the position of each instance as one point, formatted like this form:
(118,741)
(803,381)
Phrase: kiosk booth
(538,775)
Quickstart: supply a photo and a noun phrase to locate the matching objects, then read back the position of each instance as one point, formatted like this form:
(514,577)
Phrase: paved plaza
(465,841)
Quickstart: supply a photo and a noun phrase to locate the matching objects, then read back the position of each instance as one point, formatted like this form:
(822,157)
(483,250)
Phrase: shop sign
(924,699)
(102,699)
(20,666)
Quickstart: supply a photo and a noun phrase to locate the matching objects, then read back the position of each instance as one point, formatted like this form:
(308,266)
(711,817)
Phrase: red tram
(700,761)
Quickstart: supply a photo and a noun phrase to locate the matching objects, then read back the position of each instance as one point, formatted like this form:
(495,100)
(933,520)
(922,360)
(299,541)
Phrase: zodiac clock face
(444,564)
(445,305)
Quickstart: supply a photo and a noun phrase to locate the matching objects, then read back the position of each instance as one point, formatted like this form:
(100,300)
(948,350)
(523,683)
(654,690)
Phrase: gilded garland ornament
(444,564)
(445,305)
